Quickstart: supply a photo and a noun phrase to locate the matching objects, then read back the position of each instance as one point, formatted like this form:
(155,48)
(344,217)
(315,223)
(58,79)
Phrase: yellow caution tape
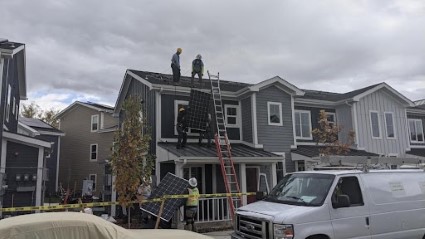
(103,204)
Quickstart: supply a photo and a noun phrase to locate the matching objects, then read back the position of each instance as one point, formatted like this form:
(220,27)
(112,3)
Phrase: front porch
(255,169)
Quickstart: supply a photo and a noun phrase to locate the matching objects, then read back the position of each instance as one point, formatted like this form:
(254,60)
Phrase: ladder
(223,146)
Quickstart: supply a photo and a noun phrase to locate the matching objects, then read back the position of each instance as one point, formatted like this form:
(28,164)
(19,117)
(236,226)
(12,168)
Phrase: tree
(130,163)
(327,134)
(34,111)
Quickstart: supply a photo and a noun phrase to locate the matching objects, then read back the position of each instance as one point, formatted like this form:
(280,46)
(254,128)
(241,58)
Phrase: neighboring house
(84,150)
(41,130)
(416,124)
(377,115)
(22,157)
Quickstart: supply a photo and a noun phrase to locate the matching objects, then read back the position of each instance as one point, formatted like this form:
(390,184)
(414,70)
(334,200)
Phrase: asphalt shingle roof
(7,45)
(38,124)
(194,150)
(165,79)
(313,151)
(330,96)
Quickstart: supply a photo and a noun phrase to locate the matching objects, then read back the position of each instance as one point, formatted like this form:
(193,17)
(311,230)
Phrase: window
(93,152)
(9,92)
(274,113)
(416,131)
(348,187)
(303,124)
(331,117)
(232,115)
(389,125)
(93,177)
(374,124)
(94,123)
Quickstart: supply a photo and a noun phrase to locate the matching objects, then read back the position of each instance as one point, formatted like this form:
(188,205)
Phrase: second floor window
(389,125)
(416,131)
(274,112)
(93,152)
(302,124)
(232,114)
(94,123)
(374,124)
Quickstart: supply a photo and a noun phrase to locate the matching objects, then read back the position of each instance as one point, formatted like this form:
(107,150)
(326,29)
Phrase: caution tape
(103,204)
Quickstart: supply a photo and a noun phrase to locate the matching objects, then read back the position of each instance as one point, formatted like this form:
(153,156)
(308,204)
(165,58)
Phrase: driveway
(219,234)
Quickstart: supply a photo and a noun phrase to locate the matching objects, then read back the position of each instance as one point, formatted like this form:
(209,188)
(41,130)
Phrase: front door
(251,182)
(351,221)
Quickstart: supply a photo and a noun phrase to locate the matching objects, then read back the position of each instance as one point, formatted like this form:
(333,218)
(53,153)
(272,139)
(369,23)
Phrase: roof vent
(2,40)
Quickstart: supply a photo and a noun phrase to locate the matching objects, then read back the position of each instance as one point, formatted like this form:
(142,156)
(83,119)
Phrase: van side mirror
(260,195)
(341,201)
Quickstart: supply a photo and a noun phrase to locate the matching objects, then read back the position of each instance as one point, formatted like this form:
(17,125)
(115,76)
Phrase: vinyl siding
(51,163)
(11,78)
(382,101)
(246,120)
(75,164)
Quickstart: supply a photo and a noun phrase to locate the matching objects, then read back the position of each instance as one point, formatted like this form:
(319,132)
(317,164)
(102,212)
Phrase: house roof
(354,95)
(95,106)
(417,152)
(194,150)
(16,50)
(313,151)
(38,124)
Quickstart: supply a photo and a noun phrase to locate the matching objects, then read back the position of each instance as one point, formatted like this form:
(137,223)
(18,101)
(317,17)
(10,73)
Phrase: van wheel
(320,237)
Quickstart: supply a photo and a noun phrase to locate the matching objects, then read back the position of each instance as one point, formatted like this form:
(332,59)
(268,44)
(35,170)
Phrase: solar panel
(169,185)
(198,109)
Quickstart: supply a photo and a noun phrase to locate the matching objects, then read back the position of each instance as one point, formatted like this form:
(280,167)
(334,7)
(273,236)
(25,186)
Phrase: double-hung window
(389,125)
(375,125)
(232,115)
(303,124)
(94,123)
(93,152)
(93,178)
(274,113)
(331,117)
(416,131)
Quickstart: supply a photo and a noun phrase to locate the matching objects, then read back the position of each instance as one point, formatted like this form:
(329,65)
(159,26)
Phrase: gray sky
(79,50)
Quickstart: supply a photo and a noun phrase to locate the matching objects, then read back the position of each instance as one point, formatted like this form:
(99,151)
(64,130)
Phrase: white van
(339,204)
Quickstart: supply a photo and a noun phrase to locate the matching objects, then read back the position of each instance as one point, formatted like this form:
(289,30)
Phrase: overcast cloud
(80,49)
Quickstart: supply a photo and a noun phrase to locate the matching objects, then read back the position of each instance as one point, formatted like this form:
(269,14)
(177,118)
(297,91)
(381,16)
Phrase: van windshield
(305,189)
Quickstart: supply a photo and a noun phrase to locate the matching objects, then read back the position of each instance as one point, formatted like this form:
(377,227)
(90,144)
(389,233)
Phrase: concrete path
(219,234)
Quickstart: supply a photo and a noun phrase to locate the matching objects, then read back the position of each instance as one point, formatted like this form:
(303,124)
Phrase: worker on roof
(197,69)
(192,204)
(181,128)
(175,65)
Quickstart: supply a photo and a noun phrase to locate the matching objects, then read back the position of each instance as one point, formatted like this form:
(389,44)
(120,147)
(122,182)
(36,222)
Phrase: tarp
(74,225)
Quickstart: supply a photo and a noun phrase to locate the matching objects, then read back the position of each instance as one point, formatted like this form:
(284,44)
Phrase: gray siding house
(84,150)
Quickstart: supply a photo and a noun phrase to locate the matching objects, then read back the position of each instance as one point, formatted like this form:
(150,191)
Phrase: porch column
(274,175)
(242,170)
(3,156)
(179,169)
(39,182)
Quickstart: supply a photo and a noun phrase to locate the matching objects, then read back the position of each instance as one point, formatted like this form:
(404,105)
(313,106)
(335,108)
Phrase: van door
(349,213)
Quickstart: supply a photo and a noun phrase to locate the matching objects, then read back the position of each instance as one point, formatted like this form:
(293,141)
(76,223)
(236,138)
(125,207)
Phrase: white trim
(242,169)
(254,118)
(380,86)
(3,156)
(143,81)
(279,104)
(95,181)
(39,182)
(97,153)
(371,124)
(386,126)
(334,114)
(32,132)
(309,123)
(102,120)
(1,77)
(25,140)
(240,122)
(10,52)
(237,116)
(43,132)
(57,164)
(276,79)
(293,121)
(410,134)
(274,176)
(417,146)
(8,95)
(13,105)
(356,128)
(64,111)
(158,119)
(93,122)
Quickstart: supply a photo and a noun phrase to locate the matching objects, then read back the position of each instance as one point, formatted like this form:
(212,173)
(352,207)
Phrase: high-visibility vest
(193,199)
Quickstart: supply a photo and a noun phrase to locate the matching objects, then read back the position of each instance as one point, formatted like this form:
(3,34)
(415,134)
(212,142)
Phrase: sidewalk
(219,234)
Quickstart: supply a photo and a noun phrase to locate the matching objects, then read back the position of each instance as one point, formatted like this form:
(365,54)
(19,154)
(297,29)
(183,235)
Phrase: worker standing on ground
(181,128)
(192,204)
(197,69)
(175,65)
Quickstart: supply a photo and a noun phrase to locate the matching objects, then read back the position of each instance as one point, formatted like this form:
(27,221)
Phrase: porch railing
(214,209)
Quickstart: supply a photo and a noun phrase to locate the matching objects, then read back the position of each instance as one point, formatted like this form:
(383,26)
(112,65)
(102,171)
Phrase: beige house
(89,132)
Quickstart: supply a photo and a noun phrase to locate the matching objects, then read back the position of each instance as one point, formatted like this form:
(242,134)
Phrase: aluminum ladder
(223,147)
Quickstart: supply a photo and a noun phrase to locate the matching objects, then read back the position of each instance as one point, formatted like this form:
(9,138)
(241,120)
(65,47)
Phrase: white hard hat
(199,57)
(193,182)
